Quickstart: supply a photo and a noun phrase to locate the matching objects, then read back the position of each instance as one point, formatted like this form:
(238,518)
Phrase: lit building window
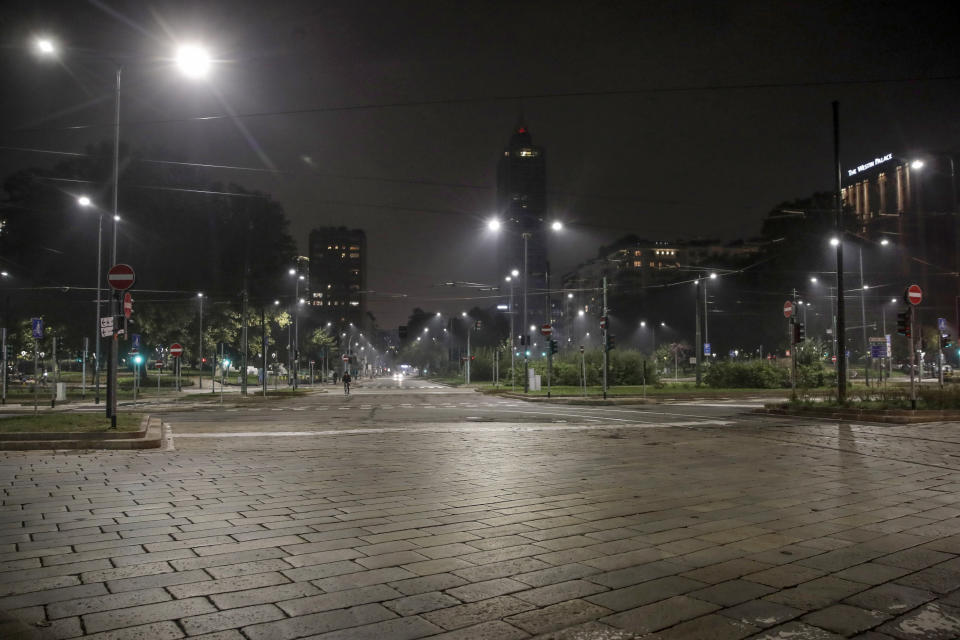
(354,255)
(637,264)
(528,153)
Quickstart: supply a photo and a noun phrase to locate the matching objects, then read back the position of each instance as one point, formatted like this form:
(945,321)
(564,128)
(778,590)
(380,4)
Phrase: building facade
(338,275)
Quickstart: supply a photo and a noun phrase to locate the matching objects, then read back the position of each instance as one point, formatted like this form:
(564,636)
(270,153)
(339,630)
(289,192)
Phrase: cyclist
(346,383)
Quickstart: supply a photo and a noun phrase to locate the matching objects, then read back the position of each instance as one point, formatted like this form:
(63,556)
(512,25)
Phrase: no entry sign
(176,350)
(914,294)
(345,358)
(787,309)
(546,330)
(121,277)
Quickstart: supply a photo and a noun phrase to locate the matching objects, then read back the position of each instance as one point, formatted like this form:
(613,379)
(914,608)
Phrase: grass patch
(68,422)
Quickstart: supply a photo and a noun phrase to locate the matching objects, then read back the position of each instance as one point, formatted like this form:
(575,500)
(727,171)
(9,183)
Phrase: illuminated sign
(869,165)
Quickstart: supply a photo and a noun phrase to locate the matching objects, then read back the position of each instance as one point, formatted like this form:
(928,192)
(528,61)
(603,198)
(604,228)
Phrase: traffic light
(553,346)
(478,325)
(611,342)
(903,323)
(946,341)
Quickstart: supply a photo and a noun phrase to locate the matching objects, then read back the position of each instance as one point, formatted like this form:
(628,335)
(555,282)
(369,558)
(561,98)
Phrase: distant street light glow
(116,218)
(493,224)
(515,273)
(45,46)
(557,225)
(916,164)
(834,241)
(884,242)
(83,201)
(194,61)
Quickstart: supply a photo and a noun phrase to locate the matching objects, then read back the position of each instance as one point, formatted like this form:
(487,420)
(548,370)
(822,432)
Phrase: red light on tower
(522,130)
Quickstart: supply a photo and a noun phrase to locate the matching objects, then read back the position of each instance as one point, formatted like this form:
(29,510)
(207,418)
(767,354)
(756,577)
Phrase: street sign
(158,364)
(581,348)
(36,325)
(345,358)
(127,305)
(914,294)
(787,309)
(878,348)
(942,324)
(135,342)
(603,322)
(106,327)
(121,277)
(546,330)
(176,350)
(706,348)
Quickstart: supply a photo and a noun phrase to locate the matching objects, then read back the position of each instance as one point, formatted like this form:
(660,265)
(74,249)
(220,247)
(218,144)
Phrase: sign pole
(53,378)
(3,334)
(606,330)
(114,357)
(913,353)
(83,365)
(793,351)
(36,374)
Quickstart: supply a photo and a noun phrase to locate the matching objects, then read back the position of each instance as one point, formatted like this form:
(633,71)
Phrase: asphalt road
(410,510)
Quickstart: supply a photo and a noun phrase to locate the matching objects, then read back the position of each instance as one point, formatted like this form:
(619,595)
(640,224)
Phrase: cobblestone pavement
(451,515)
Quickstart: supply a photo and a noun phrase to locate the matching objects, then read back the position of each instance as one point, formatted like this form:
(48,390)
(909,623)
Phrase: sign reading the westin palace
(869,165)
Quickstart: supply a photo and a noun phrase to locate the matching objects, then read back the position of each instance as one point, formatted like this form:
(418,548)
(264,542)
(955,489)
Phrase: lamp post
(513,378)
(200,343)
(85,202)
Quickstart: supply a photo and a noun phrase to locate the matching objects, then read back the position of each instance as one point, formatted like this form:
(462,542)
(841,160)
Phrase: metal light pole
(841,311)
(513,366)
(200,343)
(526,330)
(699,345)
(863,322)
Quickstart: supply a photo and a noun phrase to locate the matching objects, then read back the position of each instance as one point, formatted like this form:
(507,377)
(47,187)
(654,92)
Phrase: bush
(743,375)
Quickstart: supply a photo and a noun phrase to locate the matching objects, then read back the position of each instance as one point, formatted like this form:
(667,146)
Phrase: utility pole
(793,348)
(200,344)
(53,375)
(841,312)
(526,327)
(243,359)
(699,346)
(863,322)
(549,336)
(513,342)
(466,373)
(604,333)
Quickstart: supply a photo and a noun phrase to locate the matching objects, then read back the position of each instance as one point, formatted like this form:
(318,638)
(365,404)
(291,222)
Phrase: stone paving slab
(824,530)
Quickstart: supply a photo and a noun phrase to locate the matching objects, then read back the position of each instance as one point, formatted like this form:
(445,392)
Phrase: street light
(193,60)
(493,224)
(916,164)
(200,349)
(834,241)
(84,201)
(46,47)
(557,225)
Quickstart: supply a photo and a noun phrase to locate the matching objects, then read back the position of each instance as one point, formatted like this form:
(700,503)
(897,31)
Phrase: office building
(338,275)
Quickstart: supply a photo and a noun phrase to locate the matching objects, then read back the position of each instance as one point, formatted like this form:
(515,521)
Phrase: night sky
(391,116)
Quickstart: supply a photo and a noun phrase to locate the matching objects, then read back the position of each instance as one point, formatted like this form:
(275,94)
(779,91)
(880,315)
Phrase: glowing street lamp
(84,201)
(46,47)
(193,61)
(493,224)
(557,225)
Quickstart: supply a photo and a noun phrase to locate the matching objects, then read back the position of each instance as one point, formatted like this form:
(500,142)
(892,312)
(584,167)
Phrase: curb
(884,416)
(150,436)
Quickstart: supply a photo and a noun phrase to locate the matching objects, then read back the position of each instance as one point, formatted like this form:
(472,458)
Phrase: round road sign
(914,294)
(121,277)
(546,330)
(345,358)
(787,309)
(176,350)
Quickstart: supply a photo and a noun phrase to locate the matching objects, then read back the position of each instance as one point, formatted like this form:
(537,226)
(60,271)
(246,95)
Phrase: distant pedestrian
(346,384)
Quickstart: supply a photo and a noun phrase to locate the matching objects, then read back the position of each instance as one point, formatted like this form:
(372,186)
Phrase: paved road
(414,510)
